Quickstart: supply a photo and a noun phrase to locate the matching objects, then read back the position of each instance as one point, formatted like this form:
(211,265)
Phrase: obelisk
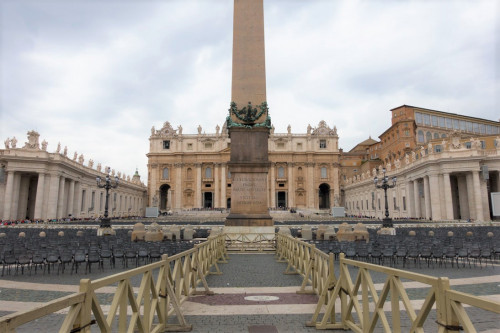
(248,121)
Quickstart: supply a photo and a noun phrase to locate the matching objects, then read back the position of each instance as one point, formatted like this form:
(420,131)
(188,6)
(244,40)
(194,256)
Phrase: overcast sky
(97,75)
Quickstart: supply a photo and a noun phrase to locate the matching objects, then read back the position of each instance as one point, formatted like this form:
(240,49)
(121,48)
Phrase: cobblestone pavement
(230,310)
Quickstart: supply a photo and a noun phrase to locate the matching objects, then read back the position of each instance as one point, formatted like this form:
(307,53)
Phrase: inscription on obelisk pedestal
(248,121)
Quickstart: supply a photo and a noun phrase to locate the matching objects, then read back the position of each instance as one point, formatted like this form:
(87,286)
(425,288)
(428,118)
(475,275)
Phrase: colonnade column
(447,196)
(435,200)
(53,196)
(60,199)
(416,197)
(9,195)
(476,183)
(291,186)
(178,187)
(71,199)
(198,203)
(427,198)
(223,187)
(410,199)
(40,190)
(78,199)
(273,185)
(217,196)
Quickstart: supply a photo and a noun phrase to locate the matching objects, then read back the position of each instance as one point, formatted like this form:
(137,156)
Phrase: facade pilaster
(291,186)
(40,196)
(198,203)
(476,183)
(217,197)
(273,185)
(178,187)
(427,198)
(310,185)
(9,195)
(448,202)
(71,198)
(416,196)
(223,186)
(435,197)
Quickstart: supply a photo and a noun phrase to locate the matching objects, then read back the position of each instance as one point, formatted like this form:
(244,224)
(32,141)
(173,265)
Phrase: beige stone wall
(189,155)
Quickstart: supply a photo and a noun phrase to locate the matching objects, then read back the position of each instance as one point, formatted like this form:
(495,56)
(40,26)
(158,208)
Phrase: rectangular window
(208,145)
(468,145)
(189,146)
(322,143)
(441,122)
(476,128)
(469,126)
(427,120)
(449,123)
(456,124)
(323,172)
(280,145)
(463,125)
(434,121)
(482,129)
(483,144)
(166,144)
(488,129)
(418,117)
(438,148)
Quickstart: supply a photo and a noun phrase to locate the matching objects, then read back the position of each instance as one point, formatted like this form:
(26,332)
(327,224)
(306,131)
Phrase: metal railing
(148,308)
(362,307)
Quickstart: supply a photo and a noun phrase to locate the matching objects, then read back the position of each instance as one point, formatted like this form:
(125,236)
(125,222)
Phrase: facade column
(464,185)
(310,186)
(40,190)
(178,187)
(9,195)
(427,198)
(476,183)
(198,203)
(447,196)
(416,197)
(217,197)
(273,185)
(71,198)
(223,186)
(60,200)
(435,199)
(291,186)
(77,202)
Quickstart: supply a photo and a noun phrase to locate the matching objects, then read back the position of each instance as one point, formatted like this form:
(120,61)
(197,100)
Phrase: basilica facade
(190,171)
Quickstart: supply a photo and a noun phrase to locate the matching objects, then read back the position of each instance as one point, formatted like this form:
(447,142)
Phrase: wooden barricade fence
(362,307)
(149,308)
(247,242)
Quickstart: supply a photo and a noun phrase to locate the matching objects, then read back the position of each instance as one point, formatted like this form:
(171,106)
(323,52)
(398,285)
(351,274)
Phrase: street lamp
(106,222)
(387,221)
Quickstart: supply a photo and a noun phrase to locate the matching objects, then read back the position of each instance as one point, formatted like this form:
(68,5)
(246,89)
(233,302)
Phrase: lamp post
(106,221)
(387,221)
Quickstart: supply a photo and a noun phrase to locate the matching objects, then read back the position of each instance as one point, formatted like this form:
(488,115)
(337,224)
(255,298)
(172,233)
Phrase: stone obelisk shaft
(249,63)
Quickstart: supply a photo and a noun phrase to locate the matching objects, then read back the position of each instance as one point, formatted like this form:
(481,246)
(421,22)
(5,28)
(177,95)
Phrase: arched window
(189,173)
(208,172)
(420,136)
(443,135)
(436,135)
(428,136)
(165,174)
(281,172)
(323,172)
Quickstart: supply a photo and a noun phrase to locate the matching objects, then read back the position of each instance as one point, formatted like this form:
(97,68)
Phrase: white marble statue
(58,150)
(75,156)
(13,142)
(44,145)
(7,143)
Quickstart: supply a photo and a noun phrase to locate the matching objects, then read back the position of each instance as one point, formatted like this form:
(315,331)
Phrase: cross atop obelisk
(248,121)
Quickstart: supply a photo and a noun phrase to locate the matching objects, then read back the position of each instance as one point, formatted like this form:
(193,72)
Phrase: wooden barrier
(362,307)
(151,307)
(251,242)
